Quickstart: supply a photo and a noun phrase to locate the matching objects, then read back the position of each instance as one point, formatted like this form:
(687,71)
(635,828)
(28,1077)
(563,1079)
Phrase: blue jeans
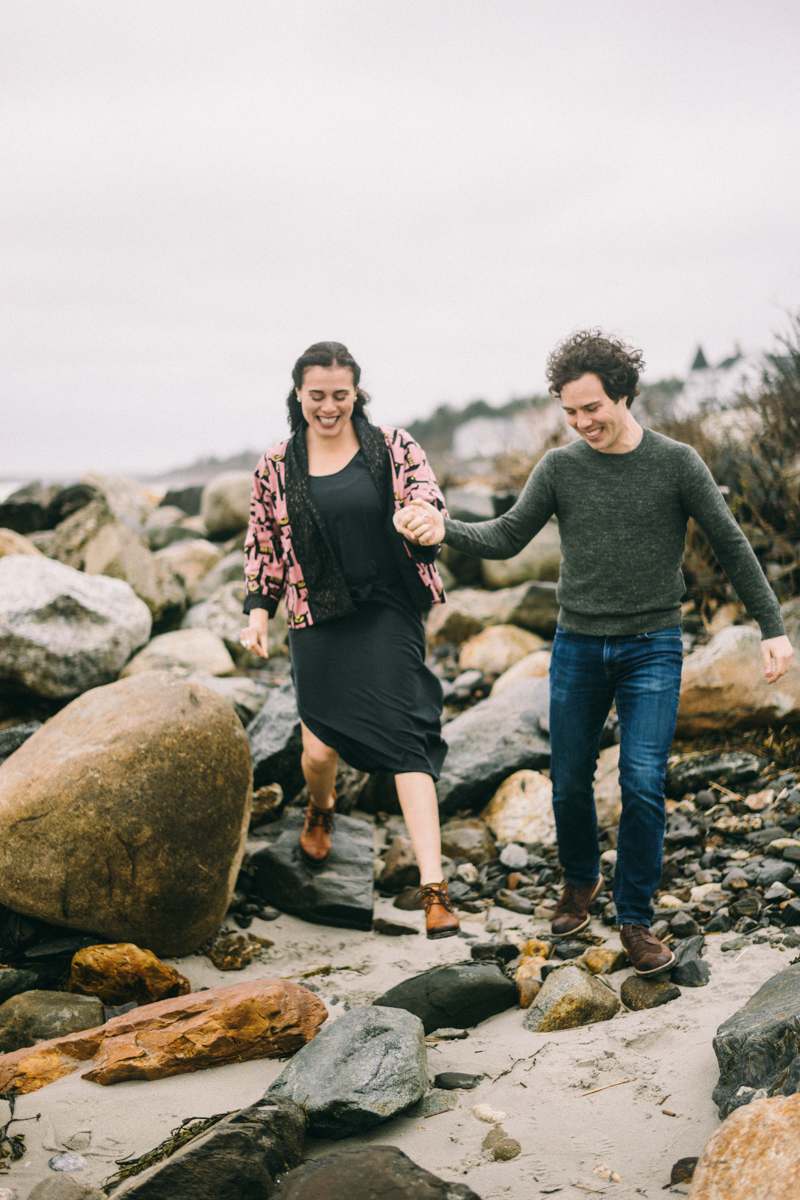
(643,674)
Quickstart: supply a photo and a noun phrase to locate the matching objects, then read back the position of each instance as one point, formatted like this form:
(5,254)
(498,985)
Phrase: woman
(322,534)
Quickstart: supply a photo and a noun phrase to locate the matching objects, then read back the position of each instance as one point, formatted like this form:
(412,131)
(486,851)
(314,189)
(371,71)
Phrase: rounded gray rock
(363,1068)
(63,632)
(33,1017)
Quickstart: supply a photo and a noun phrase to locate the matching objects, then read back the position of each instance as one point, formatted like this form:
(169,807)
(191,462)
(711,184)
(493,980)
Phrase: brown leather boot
(648,955)
(572,910)
(440,916)
(315,838)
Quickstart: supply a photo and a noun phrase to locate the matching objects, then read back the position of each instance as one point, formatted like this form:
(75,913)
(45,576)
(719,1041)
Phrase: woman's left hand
(420,522)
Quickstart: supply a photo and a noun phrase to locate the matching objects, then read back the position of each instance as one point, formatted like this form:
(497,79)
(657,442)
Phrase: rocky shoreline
(150,799)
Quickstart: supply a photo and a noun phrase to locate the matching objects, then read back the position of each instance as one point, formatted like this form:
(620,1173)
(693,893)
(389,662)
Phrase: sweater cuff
(257,600)
(773,627)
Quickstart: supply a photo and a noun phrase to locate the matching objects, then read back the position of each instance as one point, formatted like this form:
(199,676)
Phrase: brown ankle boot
(648,955)
(315,838)
(572,910)
(440,916)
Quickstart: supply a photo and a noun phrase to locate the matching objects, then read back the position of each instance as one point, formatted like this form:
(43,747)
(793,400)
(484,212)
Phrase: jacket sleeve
(264,569)
(419,483)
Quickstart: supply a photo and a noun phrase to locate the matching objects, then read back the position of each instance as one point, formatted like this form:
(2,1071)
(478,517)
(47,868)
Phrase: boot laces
(435,893)
(320,816)
(639,934)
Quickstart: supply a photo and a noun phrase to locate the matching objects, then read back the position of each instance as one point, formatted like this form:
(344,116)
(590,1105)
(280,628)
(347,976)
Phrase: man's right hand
(255,637)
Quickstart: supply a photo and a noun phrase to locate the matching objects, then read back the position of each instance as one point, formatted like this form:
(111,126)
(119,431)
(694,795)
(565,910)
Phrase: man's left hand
(777,654)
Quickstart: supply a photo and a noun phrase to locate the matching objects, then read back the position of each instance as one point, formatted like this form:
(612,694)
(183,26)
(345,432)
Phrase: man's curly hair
(589,351)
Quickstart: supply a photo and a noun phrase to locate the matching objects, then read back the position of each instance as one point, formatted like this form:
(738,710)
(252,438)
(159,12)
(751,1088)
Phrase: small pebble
(514,857)
(67,1162)
(450,1080)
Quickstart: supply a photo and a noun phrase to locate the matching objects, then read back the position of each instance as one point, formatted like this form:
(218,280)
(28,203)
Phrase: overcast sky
(192,192)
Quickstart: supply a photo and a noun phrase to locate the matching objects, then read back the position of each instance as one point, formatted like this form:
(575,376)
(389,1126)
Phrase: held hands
(777,654)
(421,523)
(254,637)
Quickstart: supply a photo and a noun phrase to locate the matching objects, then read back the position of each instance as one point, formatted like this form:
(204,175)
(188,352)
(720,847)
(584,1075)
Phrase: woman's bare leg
(319,763)
(421,811)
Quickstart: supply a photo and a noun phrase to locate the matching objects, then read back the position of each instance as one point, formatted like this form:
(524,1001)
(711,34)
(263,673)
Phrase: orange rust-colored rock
(265,1018)
(528,978)
(120,972)
(753,1155)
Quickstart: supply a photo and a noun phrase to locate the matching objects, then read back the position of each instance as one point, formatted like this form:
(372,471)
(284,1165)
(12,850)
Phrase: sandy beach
(639,1129)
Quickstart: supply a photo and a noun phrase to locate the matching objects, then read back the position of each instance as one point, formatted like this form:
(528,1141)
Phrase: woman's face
(327,398)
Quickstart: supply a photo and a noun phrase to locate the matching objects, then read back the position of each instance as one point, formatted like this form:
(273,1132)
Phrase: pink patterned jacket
(272,569)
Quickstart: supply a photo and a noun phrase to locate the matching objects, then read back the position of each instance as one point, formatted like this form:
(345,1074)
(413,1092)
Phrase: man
(622,496)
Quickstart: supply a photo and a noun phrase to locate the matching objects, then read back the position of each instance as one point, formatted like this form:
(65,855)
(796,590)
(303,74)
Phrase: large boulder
(62,632)
(458,994)
(229,569)
(491,741)
(540,560)
(364,1172)
(338,893)
(94,540)
(723,687)
(225,506)
(128,500)
(12,738)
(183,650)
(222,614)
(125,815)
(363,1068)
(262,1018)
(734,769)
(521,810)
(469,610)
(758,1043)
(191,559)
(276,743)
(533,666)
(468,838)
(753,1155)
(239,1158)
(15,543)
(496,649)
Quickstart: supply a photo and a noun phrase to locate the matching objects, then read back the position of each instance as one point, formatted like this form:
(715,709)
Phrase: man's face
(596,417)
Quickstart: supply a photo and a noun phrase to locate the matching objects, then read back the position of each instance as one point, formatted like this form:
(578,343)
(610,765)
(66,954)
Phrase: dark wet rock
(450,1080)
(468,839)
(465,993)
(26,510)
(339,893)
(638,993)
(734,880)
(187,498)
(680,831)
(760,1041)
(514,902)
(362,1173)
(765,835)
(365,1067)
(790,915)
(792,1084)
(276,743)
(683,926)
(746,905)
(11,739)
(719,923)
(683,1170)
(689,969)
(706,799)
(486,951)
(392,928)
(570,997)
(32,1017)
(569,949)
(491,741)
(732,768)
(70,500)
(792,854)
(773,870)
(14,980)
(239,1158)
(400,869)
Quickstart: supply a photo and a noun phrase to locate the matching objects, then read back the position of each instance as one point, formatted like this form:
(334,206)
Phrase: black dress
(361,680)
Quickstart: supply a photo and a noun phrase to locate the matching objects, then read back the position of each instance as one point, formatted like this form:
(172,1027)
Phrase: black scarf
(328,593)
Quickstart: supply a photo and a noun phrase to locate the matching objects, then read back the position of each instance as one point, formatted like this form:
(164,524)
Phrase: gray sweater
(622,520)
